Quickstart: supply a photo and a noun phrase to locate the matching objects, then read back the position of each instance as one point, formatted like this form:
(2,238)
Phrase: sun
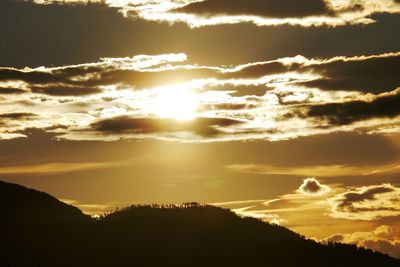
(175,102)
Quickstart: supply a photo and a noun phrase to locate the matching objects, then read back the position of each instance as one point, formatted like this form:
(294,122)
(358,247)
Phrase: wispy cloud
(315,170)
(266,217)
(56,167)
(366,203)
(305,199)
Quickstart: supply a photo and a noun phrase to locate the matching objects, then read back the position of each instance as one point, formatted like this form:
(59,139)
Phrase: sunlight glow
(175,102)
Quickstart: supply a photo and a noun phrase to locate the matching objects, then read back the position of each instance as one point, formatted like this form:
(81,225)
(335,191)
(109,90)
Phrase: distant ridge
(37,230)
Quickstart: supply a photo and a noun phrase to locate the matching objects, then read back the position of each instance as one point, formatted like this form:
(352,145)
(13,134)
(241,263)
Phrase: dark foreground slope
(191,235)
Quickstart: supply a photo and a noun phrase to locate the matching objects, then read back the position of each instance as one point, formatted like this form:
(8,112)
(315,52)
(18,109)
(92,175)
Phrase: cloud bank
(148,96)
(197,13)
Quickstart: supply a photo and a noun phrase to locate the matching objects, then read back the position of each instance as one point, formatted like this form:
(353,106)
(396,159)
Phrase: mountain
(186,235)
(19,204)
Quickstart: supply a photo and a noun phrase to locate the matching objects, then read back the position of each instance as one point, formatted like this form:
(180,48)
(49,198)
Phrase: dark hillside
(186,235)
(19,204)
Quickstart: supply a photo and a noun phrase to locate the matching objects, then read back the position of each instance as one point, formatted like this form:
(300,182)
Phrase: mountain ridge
(26,205)
(187,235)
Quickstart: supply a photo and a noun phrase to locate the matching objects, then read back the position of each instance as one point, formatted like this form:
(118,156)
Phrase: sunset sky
(284,110)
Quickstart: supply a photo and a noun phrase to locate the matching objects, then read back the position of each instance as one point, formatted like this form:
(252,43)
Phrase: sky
(288,111)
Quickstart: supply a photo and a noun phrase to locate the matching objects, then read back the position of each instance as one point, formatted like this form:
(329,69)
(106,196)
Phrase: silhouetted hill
(185,235)
(19,204)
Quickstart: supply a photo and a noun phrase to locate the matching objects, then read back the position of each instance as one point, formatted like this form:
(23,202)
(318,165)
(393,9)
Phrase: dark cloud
(7,91)
(338,75)
(387,106)
(373,75)
(312,186)
(8,74)
(240,90)
(65,91)
(366,203)
(63,81)
(206,127)
(17,115)
(349,198)
(84,79)
(261,69)
(264,8)
(81,79)
(7,119)
(229,106)
(143,79)
(127,124)
(62,75)
(73,30)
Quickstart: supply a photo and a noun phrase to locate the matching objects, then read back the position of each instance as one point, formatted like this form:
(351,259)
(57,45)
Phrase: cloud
(207,127)
(366,203)
(383,238)
(56,167)
(10,120)
(260,69)
(7,90)
(301,213)
(268,8)
(268,100)
(71,43)
(312,187)
(315,170)
(371,75)
(382,106)
(230,106)
(266,217)
(262,13)
(16,116)
(239,90)
(82,79)
(65,90)
(285,208)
